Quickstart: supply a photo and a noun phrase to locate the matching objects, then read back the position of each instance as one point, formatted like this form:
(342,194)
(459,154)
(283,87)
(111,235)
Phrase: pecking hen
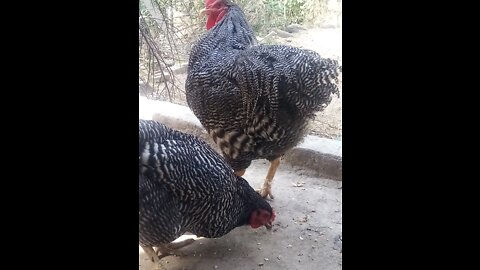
(255,101)
(185,186)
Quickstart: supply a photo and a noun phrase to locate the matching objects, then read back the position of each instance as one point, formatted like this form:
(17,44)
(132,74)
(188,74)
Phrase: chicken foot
(266,189)
(164,251)
(154,257)
(171,248)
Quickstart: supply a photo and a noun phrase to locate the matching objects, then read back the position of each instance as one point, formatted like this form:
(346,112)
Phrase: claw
(265,193)
(171,249)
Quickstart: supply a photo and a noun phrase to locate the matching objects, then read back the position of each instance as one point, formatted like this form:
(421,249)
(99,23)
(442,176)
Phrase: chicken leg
(163,251)
(266,189)
(169,249)
(154,257)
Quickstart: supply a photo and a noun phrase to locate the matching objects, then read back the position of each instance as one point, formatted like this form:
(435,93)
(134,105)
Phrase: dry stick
(154,51)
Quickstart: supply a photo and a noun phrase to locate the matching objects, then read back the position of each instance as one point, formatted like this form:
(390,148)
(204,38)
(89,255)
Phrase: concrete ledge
(321,156)
(322,164)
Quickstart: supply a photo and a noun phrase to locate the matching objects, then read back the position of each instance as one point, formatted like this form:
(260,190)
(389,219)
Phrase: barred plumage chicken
(185,186)
(255,101)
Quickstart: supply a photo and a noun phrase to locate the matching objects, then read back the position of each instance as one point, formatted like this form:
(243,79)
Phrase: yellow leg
(170,249)
(154,257)
(267,185)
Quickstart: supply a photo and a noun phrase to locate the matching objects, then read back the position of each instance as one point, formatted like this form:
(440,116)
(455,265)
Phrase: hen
(255,101)
(185,186)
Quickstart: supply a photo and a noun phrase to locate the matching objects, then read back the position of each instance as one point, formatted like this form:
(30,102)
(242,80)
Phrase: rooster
(185,186)
(255,101)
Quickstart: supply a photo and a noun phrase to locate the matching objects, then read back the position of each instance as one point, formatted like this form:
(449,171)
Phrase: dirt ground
(307,232)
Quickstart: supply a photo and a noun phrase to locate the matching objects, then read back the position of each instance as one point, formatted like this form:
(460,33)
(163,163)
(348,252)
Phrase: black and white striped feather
(255,100)
(185,186)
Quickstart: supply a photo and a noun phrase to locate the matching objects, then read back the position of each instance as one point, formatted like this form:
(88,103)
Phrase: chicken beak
(268,226)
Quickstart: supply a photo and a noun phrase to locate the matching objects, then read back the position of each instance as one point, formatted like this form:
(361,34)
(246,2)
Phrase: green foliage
(263,15)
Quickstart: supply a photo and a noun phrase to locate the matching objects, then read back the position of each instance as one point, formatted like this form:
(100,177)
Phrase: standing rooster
(185,186)
(255,101)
